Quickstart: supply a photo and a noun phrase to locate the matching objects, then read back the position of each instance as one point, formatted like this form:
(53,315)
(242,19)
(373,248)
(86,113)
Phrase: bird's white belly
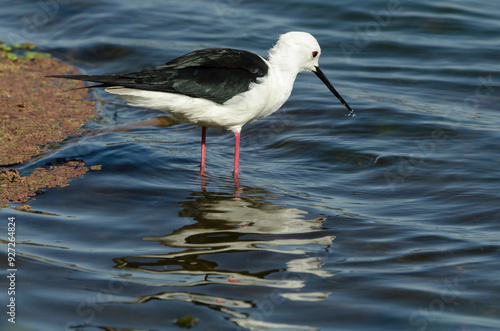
(258,102)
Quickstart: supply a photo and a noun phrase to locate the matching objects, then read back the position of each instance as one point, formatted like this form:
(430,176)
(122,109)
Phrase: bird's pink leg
(203,149)
(236,154)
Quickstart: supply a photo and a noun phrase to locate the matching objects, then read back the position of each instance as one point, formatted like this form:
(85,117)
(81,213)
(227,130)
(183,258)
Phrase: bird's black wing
(216,74)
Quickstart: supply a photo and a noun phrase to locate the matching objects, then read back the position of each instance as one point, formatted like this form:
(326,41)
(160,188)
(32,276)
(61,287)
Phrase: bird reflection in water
(247,243)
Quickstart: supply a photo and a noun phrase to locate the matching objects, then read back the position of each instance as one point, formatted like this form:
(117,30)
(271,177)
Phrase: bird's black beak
(325,80)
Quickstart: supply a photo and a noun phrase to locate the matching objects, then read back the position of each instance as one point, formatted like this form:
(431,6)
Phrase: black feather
(216,74)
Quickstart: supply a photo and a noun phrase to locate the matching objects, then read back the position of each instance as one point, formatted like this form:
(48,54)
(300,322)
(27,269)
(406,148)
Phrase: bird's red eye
(315,54)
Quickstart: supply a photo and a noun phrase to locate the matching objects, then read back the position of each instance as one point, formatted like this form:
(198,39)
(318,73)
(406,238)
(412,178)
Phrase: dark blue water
(388,220)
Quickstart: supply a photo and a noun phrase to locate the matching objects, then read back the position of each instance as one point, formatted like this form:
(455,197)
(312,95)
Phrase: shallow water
(388,220)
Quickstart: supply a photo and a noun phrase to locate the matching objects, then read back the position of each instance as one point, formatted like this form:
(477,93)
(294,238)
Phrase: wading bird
(220,87)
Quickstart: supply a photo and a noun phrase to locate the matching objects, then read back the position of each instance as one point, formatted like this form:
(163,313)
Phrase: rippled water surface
(388,220)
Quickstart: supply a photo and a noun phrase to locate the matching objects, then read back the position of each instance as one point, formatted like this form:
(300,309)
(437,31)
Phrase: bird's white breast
(263,98)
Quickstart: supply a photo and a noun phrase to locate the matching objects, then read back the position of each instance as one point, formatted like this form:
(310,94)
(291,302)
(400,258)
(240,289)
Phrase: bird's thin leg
(236,154)
(203,149)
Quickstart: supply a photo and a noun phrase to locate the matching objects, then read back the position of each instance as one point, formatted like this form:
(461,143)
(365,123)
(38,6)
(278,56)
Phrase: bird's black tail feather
(105,80)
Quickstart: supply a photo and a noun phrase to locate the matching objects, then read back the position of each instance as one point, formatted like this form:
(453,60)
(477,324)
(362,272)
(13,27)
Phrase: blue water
(388,220)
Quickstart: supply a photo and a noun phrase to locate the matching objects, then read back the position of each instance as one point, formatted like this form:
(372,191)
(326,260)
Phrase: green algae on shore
(34,112)
(19,189)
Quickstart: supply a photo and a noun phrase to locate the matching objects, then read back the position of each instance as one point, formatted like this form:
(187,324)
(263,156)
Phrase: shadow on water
(214,250)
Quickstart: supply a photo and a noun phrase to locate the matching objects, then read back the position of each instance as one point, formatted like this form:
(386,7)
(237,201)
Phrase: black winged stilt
(220,87)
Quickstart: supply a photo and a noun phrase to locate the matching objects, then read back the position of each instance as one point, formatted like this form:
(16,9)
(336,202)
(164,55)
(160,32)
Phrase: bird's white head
(297,50)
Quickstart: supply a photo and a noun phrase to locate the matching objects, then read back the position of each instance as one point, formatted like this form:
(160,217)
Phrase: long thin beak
(325,80)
